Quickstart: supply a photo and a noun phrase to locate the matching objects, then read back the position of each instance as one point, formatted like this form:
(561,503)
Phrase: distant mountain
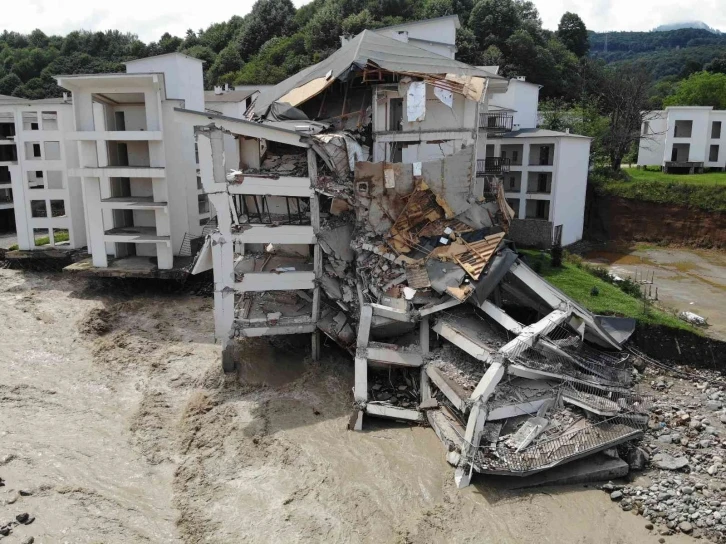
(665,52)
(687,24)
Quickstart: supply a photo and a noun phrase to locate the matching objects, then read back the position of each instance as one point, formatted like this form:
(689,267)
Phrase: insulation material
(389,176)
(416,101)
(307,91)
(446,96)
(473,87)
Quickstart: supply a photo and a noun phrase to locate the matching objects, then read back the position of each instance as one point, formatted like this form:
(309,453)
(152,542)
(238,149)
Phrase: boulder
(668,462)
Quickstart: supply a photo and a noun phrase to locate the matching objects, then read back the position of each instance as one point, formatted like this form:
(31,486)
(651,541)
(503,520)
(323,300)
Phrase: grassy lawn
(60,236)
(578,283)
(706,191)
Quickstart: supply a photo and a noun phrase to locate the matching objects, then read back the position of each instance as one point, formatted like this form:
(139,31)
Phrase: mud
(129,432)
(687,279)
(624,219)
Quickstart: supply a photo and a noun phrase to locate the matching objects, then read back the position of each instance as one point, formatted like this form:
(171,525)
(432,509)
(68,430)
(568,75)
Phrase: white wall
(700,132)
(652,145)
(435,35)
(521,96)
(182,74)
(569,187)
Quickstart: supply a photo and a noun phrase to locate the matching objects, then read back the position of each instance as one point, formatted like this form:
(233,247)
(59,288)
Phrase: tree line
(275,40)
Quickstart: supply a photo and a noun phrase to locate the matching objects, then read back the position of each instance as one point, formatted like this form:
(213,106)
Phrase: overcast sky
(151,18)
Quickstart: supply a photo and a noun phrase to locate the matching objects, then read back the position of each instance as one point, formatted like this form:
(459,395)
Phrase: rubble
(517,378)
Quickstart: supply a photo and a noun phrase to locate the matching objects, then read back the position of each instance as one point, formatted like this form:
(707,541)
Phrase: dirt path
(115,416)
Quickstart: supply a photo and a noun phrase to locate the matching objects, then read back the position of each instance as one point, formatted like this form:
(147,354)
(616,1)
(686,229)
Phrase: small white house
(684,139)
(436,35)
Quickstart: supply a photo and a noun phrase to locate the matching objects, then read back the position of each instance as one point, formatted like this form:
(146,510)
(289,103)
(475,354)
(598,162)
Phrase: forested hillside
(276,40)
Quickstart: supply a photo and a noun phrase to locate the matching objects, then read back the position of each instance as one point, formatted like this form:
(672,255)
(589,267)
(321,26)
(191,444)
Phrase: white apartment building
(36,192)
(683,139)
(544,172)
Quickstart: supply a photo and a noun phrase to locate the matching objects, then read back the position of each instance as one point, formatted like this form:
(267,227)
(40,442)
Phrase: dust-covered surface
(122,428)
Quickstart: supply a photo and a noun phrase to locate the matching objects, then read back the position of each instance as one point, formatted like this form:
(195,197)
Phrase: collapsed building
(358,212)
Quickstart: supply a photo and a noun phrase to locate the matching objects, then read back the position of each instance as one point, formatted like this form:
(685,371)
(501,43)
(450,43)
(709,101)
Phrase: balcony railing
(496,122)
(492,166)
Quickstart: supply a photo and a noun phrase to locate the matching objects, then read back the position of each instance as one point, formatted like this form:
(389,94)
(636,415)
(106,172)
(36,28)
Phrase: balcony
(496,122)
(492,166)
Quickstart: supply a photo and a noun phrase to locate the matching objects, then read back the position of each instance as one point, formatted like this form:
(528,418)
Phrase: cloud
(611,15)
(149,19)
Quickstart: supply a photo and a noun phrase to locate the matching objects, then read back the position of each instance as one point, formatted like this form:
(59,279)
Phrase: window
(50,120)
(542,183)
(38,173)
(199,183)
(33,126)
(30,120)
(120,120)
(35,179)
(646,127)
(504,154)
(512,182)
(123,154)
(57,208)
(716,130)
(54,179)
(713,153)
(544,155)
(682,129)
(515,156)
(52,151)
(38,208)
(543,209)
(203,204)
(4,174)
(196,153)
(395,118)
(36,150)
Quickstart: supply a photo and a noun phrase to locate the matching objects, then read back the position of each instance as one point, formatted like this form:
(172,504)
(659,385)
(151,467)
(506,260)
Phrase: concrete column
(524,182)
(223,262)
(424,341)
(164,256)
(360,392)
(92,199)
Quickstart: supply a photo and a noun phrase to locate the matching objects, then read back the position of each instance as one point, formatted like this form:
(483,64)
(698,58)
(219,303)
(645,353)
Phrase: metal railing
(492,166)
(572,444)
(496,122)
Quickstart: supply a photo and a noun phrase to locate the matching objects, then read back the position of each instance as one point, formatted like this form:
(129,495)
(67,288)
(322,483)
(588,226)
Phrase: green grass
(60,236)
(578,283)
(705,191)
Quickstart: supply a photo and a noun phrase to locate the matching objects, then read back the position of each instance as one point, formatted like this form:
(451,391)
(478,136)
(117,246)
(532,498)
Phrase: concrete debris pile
(684,446)
(518,378)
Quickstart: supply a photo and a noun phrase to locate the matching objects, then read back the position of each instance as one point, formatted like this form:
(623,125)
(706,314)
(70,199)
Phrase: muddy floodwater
(687,279)
(117,426)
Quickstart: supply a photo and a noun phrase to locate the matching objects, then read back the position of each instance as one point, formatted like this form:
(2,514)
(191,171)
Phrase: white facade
(137,161)
(435,35)
(683,138)
(521,99)
(35,185)
(547,177)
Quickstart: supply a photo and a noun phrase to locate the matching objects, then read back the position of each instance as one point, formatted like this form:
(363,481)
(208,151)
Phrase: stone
(685,527)
(616,495)
(649,526)
(712,405)
(28,540)
(665,439)
(687,490)
(661,540)
(666,461)
(22,518)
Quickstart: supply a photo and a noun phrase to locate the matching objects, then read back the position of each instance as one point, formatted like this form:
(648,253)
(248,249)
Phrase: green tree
(700,89)
(9,83)
(494,21)
(227,61)
(717,65)
(268,18)
(573,33)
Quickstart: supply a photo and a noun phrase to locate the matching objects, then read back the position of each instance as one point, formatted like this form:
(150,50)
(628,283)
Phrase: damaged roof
(370,47)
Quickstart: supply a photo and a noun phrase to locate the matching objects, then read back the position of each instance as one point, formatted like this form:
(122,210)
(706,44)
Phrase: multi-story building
(37,195)
(544,172)
(683,139)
